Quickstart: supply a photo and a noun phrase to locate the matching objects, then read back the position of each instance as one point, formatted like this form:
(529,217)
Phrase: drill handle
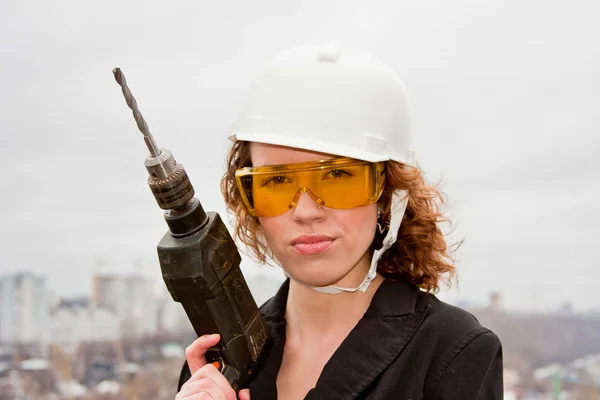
(230,373)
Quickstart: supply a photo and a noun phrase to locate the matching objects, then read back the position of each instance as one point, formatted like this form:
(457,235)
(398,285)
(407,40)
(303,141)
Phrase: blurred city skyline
(504,96)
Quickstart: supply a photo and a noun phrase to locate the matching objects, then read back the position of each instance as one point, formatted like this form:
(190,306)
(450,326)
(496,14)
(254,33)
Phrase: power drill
(200,265)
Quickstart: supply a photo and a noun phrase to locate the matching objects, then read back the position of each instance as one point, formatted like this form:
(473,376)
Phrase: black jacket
(408,345)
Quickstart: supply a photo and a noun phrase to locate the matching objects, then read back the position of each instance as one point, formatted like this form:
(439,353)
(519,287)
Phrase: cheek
(359,224)
(272,228)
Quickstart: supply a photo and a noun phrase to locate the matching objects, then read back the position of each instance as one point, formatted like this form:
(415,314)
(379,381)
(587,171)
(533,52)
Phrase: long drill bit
(139,119)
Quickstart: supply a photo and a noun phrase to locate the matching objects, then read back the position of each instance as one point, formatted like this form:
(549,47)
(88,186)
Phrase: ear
(383,222)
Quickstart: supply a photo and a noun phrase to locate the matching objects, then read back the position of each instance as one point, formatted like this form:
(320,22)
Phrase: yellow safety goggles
(340,183)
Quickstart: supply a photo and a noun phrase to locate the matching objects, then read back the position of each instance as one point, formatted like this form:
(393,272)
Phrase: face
(317,245)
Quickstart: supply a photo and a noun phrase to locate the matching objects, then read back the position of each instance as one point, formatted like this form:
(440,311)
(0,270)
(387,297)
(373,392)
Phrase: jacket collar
(389,323)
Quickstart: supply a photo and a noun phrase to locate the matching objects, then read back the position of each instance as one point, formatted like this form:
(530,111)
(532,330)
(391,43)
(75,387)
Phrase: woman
(322,179)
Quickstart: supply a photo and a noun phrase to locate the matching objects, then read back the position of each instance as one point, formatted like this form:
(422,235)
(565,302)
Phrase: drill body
(202,272)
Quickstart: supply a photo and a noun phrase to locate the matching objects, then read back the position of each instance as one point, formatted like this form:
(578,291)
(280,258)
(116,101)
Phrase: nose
(307,207)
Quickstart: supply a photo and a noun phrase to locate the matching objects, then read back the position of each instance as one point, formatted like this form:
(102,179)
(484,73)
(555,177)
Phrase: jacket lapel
(378,339)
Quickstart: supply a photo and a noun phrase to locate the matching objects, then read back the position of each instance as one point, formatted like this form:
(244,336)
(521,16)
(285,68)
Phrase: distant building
(495,302)
(24,310)
(131,298)
(581,375)
(75,321)
(511,379)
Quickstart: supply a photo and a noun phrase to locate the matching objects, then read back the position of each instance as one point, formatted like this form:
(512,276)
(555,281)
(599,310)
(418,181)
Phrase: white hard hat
(329,98)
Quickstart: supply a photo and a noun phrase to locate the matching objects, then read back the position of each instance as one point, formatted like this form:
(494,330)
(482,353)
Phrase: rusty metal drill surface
(139,119)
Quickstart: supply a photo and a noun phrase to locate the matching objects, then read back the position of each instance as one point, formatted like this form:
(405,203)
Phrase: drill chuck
(168,181)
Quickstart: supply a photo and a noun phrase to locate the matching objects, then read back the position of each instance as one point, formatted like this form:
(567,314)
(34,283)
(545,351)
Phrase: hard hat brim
(321,147)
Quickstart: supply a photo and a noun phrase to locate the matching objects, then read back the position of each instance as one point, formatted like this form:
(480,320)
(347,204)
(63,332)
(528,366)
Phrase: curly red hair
(420,254)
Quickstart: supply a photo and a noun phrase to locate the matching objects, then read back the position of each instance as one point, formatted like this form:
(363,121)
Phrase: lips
(312,244)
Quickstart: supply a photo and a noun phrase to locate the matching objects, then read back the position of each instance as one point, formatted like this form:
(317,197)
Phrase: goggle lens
(340,183)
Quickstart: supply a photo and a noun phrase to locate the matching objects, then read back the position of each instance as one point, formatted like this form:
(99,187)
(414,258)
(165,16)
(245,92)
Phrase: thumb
(244,394)
(194,353)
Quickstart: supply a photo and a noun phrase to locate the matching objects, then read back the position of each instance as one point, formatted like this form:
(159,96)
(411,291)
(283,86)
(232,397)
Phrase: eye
(276,180)
(337,174)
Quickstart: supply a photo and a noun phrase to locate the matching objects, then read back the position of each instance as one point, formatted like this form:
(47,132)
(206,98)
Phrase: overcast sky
(505,96)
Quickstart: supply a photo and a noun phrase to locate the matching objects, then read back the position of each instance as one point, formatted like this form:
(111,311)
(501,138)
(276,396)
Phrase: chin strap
(399,202)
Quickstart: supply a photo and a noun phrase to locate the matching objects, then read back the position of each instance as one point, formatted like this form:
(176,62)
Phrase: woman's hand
(206,383)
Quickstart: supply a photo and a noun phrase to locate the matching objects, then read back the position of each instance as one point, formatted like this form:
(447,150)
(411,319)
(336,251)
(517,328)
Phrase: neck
(313,315)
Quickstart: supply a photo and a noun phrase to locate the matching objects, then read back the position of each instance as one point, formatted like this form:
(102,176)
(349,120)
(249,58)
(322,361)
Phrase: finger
(194,353)
(244,394)
(204,388)
(208,380)
(211,373)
